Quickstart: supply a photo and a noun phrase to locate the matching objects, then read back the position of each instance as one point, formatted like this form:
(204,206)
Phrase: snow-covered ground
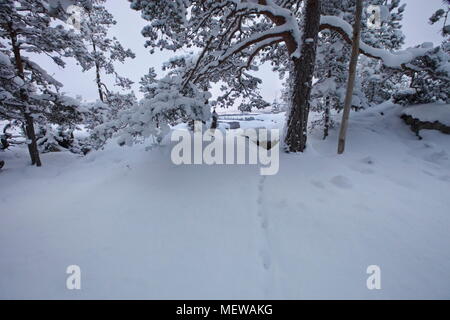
(141,227)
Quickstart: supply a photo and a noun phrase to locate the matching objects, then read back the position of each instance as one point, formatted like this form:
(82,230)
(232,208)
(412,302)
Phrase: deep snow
(141,227)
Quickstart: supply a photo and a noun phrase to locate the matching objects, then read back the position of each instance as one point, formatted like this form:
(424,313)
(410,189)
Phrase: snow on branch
(282,27)
(281,17)
(398,60)
(261,40)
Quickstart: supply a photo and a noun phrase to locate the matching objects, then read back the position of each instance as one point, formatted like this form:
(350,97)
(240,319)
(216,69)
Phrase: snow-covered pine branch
(230,33)
(166,103)
(402,59)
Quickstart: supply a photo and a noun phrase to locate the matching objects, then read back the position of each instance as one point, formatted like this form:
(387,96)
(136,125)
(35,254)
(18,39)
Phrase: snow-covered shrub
(60,138)
(170,103)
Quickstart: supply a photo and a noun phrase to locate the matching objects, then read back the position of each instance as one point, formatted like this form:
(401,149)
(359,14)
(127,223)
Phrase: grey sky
(128,31)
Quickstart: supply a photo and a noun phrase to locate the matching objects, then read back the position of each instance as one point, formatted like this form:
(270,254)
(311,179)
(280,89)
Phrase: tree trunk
(32,146)
(99,82)
(98,78)
(29,122)
(326,126)
(351,76)
(297,123)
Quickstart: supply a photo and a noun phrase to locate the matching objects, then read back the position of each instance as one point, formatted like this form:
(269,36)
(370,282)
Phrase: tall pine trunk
(98,78)
(326,126)
(297,123)
(29,122)
(351,76)
(32,146)
(99,82)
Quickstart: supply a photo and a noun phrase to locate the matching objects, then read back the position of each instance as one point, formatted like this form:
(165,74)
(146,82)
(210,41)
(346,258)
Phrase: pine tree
(104,50)
(29,95)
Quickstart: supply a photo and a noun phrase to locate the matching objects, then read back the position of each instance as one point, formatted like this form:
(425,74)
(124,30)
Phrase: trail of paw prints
(261,213)
(265,252)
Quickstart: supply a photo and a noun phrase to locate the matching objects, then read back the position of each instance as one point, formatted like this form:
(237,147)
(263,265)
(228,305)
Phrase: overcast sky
(128,31)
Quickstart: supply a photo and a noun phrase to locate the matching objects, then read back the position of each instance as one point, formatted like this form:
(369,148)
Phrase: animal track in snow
(265,259)
(342,182)
(264,224)
(318,184)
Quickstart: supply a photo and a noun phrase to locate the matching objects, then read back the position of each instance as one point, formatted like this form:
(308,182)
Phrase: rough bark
(215,118)
(297,123)
(32,146)
(351,76)
(326,126)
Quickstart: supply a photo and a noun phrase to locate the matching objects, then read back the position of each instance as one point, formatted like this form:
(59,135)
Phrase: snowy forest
(189,177)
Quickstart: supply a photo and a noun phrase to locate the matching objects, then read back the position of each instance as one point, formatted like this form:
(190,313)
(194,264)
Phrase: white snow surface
(430,112)
(140,227)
